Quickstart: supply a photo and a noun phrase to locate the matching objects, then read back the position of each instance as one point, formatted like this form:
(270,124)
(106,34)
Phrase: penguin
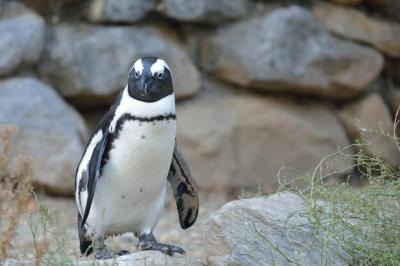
(121,179)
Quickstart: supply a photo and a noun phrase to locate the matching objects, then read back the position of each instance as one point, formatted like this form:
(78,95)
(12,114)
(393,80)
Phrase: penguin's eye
(160,75)
(137,74)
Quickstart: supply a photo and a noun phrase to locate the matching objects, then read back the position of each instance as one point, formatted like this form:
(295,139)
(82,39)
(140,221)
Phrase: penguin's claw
(123,252)
(149,242)
(164,248)
(104,253)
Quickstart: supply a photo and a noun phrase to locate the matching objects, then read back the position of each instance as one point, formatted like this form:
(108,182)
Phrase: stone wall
(259,84)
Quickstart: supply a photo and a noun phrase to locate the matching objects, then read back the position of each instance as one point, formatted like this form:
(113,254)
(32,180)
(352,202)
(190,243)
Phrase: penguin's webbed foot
(101,251)
(123,252)
(106,253)
(148,242)
(164,248)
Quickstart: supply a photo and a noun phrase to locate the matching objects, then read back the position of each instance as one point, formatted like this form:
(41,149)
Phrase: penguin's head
(150,80)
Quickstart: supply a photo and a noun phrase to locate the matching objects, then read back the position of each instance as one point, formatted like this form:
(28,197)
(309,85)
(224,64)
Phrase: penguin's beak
(143,86)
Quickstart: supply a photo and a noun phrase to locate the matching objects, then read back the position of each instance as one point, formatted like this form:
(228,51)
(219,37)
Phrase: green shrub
(364,220)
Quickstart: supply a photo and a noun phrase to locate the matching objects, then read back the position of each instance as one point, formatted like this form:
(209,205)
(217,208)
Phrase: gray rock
(393,98)
(21,37)
(89,64)
(125,11)
(206,11)
(140,258)
(49,131)
(268,231)
(241,141)
(289,50)
(354,24)
(148,258)
(370,122)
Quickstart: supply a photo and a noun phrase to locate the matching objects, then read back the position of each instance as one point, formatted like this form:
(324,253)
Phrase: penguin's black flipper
(184,189)
(94,173)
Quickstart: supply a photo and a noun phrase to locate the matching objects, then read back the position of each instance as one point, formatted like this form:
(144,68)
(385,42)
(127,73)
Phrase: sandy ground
(54,229)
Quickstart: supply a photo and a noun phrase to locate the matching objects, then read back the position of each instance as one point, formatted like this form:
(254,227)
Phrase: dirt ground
(52,231)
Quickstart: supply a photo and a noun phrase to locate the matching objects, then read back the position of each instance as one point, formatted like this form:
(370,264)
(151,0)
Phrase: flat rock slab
(268,231)
(147,258)
(141,258)
(288,50)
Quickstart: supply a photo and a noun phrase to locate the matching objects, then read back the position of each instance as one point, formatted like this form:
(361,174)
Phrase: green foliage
(49,239)
(364,221)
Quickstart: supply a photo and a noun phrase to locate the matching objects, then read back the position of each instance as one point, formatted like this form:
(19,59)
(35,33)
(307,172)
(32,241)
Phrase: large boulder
(49,131)
(370,122)
(206,11)
(22,34)
(393,97)
(289,50)
(354,24)
(89,64)
(268,231)
(119,11)
(241,141)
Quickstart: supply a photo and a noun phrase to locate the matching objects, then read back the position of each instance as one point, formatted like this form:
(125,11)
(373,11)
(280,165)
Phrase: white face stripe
(138,66)
(159,66)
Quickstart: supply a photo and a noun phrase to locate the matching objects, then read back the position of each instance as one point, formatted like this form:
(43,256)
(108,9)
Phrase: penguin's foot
(107,253)
(101,251)
(123,252)
(164,248)
(149,242)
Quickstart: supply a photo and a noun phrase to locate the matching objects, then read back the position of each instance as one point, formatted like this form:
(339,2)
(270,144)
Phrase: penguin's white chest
(142,149)
(130,194)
